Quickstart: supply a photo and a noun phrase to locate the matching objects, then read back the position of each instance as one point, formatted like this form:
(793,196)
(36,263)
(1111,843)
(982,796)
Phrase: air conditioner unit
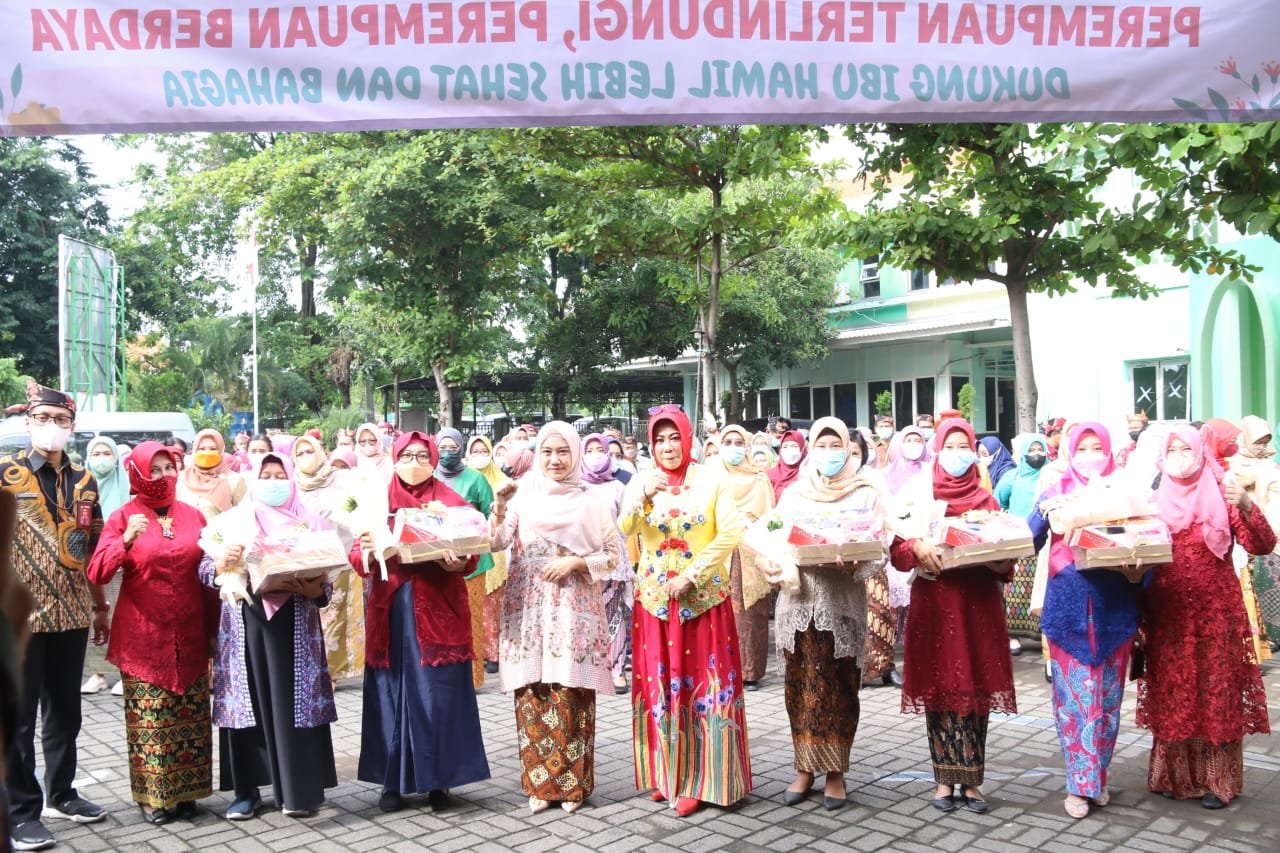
(870,273)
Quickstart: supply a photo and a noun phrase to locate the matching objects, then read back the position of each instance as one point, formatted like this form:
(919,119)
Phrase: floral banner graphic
(109,66)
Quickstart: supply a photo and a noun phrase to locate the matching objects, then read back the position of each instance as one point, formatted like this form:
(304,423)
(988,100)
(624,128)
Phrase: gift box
(428,533)
(273,561)
(1119,543)
(976,538)
(819,537)
(1102,500)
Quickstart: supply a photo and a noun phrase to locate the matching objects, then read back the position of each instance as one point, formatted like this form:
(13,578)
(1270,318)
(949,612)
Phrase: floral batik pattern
(1086,709)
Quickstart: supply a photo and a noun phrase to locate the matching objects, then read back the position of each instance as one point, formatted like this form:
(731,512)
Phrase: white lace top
(831,597)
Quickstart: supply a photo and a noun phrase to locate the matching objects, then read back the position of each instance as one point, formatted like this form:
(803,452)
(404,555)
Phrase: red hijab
(672,414)
(782,474)
(963,493)
(1224,443)
(401,495)
(152,492)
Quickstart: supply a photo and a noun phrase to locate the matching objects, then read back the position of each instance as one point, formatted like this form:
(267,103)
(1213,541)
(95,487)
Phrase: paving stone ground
(889,785)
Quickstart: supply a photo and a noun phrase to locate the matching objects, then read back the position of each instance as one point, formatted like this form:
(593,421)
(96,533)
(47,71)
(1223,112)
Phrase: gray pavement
(889,785)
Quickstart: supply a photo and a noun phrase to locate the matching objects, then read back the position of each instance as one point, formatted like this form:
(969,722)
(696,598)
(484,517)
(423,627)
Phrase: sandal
(1076,808)
(1102,799)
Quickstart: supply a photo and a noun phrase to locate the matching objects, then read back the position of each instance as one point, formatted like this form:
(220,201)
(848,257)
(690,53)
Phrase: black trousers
(51,684)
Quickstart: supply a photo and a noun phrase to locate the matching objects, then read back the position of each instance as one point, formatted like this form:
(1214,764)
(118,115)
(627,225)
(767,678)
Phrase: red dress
(1202,676)
(161,629)
(956,649)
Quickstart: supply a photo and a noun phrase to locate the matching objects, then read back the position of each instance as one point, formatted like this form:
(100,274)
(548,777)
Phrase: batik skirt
(1086,710)
(556,727)
(1189,769)
(821,694)
(881,628)
(752,624)
(1017,601)
(343,623)
(958,747)
(170,742)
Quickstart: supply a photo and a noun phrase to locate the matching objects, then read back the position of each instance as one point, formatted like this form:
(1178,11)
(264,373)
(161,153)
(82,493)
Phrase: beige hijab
(752,493)
(852,476)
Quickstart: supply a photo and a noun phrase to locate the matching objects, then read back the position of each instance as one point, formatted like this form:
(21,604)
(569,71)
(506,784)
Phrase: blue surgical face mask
(272,492)
(829,462)
(957,462)
(732,454)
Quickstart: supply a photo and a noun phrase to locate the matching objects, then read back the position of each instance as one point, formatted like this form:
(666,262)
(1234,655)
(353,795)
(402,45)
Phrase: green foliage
(202,420)
(884,404)
(13,385)
(964,401)
(45,190)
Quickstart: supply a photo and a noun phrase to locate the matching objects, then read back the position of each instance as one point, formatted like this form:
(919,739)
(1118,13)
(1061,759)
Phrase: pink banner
(108,66)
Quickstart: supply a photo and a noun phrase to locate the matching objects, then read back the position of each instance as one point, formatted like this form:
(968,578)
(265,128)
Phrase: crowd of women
(602,559)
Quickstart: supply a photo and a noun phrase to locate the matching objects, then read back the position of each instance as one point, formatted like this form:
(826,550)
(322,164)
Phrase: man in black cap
(59,521)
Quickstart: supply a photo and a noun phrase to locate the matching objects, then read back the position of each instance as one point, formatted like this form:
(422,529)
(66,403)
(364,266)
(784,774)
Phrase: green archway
(1255,350)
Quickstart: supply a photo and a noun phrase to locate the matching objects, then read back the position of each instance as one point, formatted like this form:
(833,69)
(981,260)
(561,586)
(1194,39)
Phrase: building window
(874,390)
(821,401)
(919,279)
(926,397)
(957,382)
(1160,389)
(770,399)
(904,412)
(800,408)
(846,399)
(870,277)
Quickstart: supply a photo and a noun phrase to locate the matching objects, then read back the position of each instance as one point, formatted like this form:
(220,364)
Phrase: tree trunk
(734,413)
(444,393)
(370,401)
(1025,382)
(559,403)
(307,253)
(709,398)
(395,396)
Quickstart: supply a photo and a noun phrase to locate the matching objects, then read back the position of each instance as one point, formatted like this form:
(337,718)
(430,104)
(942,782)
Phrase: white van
(128,427)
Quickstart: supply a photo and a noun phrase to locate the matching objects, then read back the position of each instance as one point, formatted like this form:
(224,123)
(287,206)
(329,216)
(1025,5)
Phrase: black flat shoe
(1212,801)
(159,817)
(438,800)
(186,811)
(795,798)
(975,805)
(833,804)
(390,801)
(945,804)
(751,685)
(891,678)
(491,667)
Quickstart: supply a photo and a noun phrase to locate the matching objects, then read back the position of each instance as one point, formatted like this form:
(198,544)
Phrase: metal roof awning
(932,327)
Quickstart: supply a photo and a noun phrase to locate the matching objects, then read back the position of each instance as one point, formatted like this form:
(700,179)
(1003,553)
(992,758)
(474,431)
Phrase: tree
(666,192)
(431,230)
(13,385)
(1019,205)
(45,190)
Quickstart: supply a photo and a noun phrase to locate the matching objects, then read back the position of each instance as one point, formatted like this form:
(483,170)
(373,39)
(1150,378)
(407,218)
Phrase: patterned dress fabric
(821,694)
(1017,601)
(881,628)
(170,742)
(557,732)
(957,746)
(753,625)
(1086,702)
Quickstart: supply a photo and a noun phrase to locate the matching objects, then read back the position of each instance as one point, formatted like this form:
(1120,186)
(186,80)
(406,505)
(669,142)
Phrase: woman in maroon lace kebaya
(1203,688)
(957,668)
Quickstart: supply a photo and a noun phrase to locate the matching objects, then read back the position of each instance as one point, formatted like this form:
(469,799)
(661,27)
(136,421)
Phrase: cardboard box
(818,538)
(977,538)
(1119,543)
(273,561)
(427,534)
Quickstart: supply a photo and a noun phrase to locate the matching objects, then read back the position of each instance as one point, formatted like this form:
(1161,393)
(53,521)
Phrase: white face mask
(884,433)
(790,455)
(49,438)
(1182,467)
(913,451)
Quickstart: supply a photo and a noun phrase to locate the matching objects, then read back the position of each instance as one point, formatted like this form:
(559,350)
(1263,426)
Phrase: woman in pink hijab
(1203,688)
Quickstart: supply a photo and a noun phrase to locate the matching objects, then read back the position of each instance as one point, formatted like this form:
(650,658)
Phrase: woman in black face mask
(1137,425)
(1016,490)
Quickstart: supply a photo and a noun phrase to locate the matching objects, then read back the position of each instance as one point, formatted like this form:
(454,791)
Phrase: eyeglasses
(42,418)
(422,457)
(667,409)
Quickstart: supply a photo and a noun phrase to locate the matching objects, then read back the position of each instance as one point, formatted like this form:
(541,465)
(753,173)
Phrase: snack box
(976,538)
(842,535)
(302,553)
(426,534)
(1111,545)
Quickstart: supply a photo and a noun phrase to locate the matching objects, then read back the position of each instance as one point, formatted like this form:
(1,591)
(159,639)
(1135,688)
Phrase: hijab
(963,493)
(902,469)
(1022,493)
(671,414)
(1001,460)
(812,485)
(519,459)
(782,474)
(1197,499)
(449,472)
(323,476)
(492,473)
(562,511)
(1074,479)
(152,492)
(275,520)
(1223,443)
(752,493)
(597,473)
(379,461)
(209,483)
(1252,430)
(113,487)
(346,454)
(401,495)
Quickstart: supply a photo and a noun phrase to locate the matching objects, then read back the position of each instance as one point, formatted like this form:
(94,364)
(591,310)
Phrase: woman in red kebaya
(161,638)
